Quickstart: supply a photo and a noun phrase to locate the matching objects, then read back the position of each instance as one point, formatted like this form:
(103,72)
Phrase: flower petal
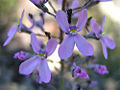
(20,20)
(94,26)
(82,19)
(35,43)
(10,35)
(51,46)
(75,4)
(66,47)
(83,45)
(103,22)
(104,48)
(29,65)
(44,72)
(61,18)
(109,42)
(60,2)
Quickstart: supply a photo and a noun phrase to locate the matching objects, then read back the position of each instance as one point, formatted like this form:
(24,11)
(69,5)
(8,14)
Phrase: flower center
(73,30)
(42,54)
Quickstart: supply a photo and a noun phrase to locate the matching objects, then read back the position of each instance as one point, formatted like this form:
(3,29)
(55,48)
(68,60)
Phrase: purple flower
(39,60)
(100,69)
(67,46)
(11,33)
(22,55)
(105,40)
(78,72)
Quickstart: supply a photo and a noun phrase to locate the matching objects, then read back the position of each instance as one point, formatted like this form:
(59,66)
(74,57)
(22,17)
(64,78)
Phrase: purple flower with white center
(80,73)
(11,33)
(100,69)
(105,40)
(39,60)
(22,55)
(67,46)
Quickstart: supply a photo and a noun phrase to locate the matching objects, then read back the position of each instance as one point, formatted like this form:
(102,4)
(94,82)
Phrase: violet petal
(109,42)
(61,18)
(51,46)
(10,34)
(82,19)
(104,48)
(83,45)
(44,72)
(29,65)
(35,43)
(66,47)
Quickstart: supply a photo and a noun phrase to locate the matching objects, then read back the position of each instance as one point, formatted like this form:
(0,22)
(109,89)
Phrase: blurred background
(10,79)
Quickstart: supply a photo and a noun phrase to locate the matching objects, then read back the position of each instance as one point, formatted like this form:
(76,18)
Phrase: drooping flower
(80,73)
(105,40)
(67,46)
(22,55)
(100,69)
(11,33)
(39,60)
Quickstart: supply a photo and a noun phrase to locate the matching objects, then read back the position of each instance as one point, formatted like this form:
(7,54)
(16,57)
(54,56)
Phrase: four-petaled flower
(67,46)
(13,30)
(105,40)
(39,60)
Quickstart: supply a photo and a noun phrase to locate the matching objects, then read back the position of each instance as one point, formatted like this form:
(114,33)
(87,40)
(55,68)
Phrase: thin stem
(52,6)
(84,6)
(61,83)
(51,14)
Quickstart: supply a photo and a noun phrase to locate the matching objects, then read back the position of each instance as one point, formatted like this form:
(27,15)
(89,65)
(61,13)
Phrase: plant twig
(52,6)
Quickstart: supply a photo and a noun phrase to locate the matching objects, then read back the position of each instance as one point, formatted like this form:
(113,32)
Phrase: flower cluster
(37,61)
